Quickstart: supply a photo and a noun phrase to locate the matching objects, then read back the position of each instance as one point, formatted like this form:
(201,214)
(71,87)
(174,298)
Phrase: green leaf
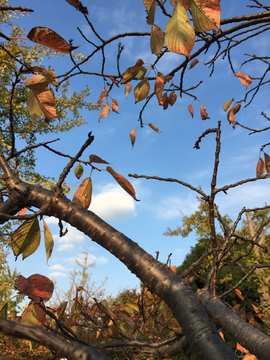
(141,90)
(26,239)
(48,239)
(142,72)
(179,34)
(156,40)
(78,171)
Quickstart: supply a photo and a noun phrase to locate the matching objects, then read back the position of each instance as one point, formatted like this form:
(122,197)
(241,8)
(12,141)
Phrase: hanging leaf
(123,182)
(128,89)
(104,112)
(239,294)
(227,104)
(153,127)
(22,212)
(142,72)
(36,287)
(172,98)
(114,106)
(164,101)
(205,14)
(132,136)
(190,109)
(103,96)
(230,117)
(141,90)
(26,239)
(156,40)
(41,102)
(83,195)
(132,72)
(48,238)
(193,63)
(185,3)
(78,171)
(260,167)
(204,114)
(97,159)
(179,34)
(159,85)
(236,108)
(51,39)
(78,5)
(33,106)
(38,82)
(245,79)
(33,315)
(267,162)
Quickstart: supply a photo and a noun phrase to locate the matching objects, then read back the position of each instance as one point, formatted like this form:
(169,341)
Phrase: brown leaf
(159,85)
(153,127)
(164,101)
(204,114)
(102,96)
(36,287)
(47,37)
(104,112)
(46,102)
(132,72)
(190,109)
(97,159)
(128,89)
(78,5)
(267,162)
(114,106)
(123,182)
(260,167)
(239,294)
(132,136)
(172,98)
(230,117)
(193,63)
(245,79)
(227,104)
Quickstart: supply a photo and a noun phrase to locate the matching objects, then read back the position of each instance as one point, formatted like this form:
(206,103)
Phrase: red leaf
(123,182)
(36,287)
(163,101)
(97,159)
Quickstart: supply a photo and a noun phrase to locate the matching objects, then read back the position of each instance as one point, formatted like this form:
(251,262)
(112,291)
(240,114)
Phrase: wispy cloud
(66,247)
(57,267)
(91,259)
(56,274)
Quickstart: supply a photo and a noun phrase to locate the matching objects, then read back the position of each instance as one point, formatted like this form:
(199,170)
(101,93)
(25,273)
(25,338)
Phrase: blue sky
(168,154)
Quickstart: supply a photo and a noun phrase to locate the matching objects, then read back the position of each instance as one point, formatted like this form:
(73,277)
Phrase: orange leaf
(159,85)
(103,96)
(104,112)
(239,294)
(260,167)
(172,98)
(241,348)
(193,63)
(132,136)
(245,79)
(51,39)
(83,195)
(22,212)
(123,182)
(204,114)
(128,89)
(173,268)
(153,127)
(230,117)
(221,334)
(46,102)
(164,101)
(190,109)
(267,162)
(113,81)
(227,105)
(114,106)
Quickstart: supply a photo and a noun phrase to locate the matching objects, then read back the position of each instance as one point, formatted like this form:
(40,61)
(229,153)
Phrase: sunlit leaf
(141,90)
(236,108)
(185,3)
(239,294)
(151,9)
(204,114)
(164,101)
(123,182)
(51,39)
(179,34)
(205,14)
(154,127)
(193,63)
(142,72)
(132,72)
(33,106)
(103,96)
(159,85)
(241,348)
(172,98)
(33,315)
(156,40)
(114,106)
(78,5)
(78,171)
(227,104)
(128,89)
(37,82)
(22,212)
(104,112)
(44,100)
(260,167)
(267,162)
(26,239)
(132,136)
(245,79)
(83,195)
(97,159)
(173,268)
(48,238)
(230,117)
(190,109)
(36,287)
(221,334)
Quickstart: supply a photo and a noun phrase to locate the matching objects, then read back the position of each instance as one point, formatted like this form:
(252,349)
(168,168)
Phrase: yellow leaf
(48,238)
(153,127)
(227,105)
(141,90)
(132,72)
(156,40)
(83,195)
(205,14)
(128,89)
(114,106)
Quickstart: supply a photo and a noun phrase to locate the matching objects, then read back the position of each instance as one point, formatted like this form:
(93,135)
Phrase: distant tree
(195,314)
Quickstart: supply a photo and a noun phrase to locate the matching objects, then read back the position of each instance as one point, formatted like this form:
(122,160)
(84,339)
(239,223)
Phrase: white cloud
(57,267)
(112,203)
(65,247)
(91,259)
(72,236)
(56,274)
(51,220)
(171,207)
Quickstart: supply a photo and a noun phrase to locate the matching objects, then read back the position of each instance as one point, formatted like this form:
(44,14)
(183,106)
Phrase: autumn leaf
(267,162)
(190,109)
(132,136)
(172,98)
(104,112)
(36,287)
(48,239)
(26,239)
(33,315)
(78,5)
(78,171)
(37,82)
(179,34)
(173,268)
(227,104)
(114,106)
(230,117)
(185,3)
(22,212)
(97,159)
(128,89)
(103,96)
(193,63)
(205,14)
(142,72)
(151,9)
(156,40)
(83,195)
(132,72)
(241,348)
(47,37)
(154,127)
(245,79)
(159,85)
(204,114)
(239,294)
(260,167)
(141,90)
(164,101)
(41,102)
(123,182)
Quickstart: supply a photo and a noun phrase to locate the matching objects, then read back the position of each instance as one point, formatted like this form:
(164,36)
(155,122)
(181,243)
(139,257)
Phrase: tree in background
(192,312)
